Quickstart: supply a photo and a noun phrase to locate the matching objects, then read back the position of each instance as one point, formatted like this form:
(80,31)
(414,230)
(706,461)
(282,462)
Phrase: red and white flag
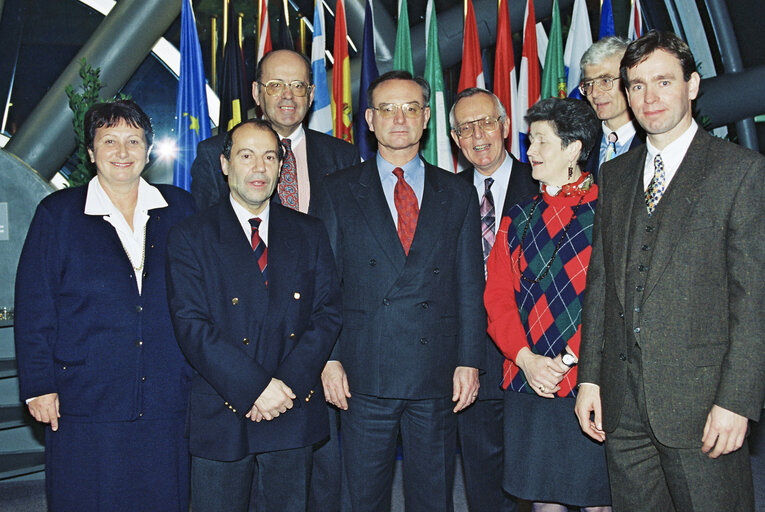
(529,86)
(505,81)
(471,74)
(264,31)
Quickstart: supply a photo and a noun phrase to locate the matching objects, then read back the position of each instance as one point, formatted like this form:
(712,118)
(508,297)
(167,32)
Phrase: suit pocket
(707,355)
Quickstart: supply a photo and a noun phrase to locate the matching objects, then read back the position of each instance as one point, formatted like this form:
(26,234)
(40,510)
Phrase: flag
(437,149)
(505,82)
(321,110)
(578,41)
(554,75)
(233,90)
(368,74)
(635,29)
(283,34)
(606,20)
(402,58)
(192,121)
(471,74)
(341,79)
(528,85)
(264,31)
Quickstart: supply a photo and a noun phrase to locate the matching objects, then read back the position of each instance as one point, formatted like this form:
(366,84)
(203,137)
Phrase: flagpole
(214,52)
(303,34)
(286,13)
(225,22)
(239,17)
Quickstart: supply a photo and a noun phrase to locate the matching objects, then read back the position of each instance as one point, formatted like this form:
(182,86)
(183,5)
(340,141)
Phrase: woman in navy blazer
(97,357)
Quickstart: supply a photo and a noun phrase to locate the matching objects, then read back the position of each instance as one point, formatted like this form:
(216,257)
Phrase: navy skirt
(547,457)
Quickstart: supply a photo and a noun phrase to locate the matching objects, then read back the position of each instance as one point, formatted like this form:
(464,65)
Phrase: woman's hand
(44,408)
(542,373)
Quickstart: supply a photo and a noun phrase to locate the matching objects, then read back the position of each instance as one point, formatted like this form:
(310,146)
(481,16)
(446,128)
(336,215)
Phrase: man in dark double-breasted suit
(255,302)
(317,154)
(406,238)
(480,127)
(672,361)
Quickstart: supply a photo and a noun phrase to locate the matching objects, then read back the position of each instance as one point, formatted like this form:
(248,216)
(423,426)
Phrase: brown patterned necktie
(288,184)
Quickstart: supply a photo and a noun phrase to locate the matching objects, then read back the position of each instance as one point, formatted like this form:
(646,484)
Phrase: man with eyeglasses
(406,237)
(480,127)
(603,89)
(283,89)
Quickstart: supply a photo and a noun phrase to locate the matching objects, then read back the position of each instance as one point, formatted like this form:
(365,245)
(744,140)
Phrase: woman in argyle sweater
(536,279)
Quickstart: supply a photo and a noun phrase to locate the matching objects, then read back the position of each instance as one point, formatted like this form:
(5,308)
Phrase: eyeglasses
(487,124)
(388,110)
(605,83)
(277,87)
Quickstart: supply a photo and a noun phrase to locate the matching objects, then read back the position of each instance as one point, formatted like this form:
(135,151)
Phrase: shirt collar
(97,201)
(623,134)
(410,168)
(500,175)
(296,136)
(243,215)
(675,151)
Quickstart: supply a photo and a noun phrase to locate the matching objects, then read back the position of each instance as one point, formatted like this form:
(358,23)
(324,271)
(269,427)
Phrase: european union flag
(192,121)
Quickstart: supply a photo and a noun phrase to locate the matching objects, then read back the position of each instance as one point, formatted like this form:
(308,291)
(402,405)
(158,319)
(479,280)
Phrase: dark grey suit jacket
(520,187)
(408,321)
(700,322)
(592,166)
(325,154)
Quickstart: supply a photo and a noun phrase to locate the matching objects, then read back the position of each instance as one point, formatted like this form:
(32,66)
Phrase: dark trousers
(648,476)
(283,477)
(481,440)
(326,474)
(370,428)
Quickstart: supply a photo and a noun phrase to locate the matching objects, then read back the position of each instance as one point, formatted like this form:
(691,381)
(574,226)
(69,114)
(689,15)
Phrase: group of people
(589,335)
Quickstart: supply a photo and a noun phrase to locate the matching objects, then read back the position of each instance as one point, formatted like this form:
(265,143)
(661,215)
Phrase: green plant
(80,102)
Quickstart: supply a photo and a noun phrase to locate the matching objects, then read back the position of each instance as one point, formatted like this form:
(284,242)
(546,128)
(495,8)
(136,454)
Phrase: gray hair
(603,49)
(472,91)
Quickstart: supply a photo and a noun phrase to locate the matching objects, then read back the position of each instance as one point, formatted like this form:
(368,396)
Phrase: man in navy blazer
(255,302)
(480,127)
(317,154)
(406,237)
(604,91)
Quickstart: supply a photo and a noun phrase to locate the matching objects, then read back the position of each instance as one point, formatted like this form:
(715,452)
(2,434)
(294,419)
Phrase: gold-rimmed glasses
(277,87)
(411,110)
(604,83)
(467,129)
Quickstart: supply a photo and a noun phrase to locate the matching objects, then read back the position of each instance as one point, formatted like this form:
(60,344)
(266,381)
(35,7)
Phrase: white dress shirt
(498,189)
(672,156)
(243,215)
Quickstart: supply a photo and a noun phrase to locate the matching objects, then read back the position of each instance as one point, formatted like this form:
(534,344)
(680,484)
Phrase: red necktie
(406,206)
(259,246)
(288,184)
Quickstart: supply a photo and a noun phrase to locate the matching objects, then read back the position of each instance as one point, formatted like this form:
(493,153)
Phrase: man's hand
(273,401)
(588,403)
(724,432)
(44,408)
(542,373)
(465,387)
(335,382)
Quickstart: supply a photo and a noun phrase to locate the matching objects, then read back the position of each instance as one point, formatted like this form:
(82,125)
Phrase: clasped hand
(542,373)
(276,399)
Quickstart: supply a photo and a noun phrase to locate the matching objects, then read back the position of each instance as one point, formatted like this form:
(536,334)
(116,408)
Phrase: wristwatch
(567,358)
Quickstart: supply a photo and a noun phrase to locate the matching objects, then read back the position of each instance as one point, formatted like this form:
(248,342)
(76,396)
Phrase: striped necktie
(259,247)
(656,188)
(488,219)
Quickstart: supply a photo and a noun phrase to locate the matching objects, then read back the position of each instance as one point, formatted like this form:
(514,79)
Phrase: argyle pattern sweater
(544,316)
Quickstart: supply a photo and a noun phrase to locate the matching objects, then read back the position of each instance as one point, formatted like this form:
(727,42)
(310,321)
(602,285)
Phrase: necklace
(545,270)
(143,251)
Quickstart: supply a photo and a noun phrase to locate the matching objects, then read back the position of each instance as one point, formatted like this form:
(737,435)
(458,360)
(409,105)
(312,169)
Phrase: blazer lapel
(374,208)
(678,201)
(282,249)
(239,253)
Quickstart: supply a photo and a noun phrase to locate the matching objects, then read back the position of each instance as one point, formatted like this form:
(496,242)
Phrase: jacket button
(622,357)
(233,410)
(372,262)
(296,295)
(386,302)
(307,399)
(424,341)
(293,335)
(645,247)
(642,268)
(246,341)
(621,315)
(639,288)
(143,379)
(637,309)
(139,308)
(138,343)
(649,229)
(425,305)
(436,270)
(637,330)
(145,275)
(235,301)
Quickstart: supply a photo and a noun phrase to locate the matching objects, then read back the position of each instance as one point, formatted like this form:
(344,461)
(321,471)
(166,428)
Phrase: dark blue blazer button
(424,341)
(372,262)
(622,357)
(436,270)
(386,302)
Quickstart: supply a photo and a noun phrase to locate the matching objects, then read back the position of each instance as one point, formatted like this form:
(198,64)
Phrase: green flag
(554,73)
(437,148)
(402,58)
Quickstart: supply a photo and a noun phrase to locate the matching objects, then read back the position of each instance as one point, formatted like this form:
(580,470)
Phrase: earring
(570,171)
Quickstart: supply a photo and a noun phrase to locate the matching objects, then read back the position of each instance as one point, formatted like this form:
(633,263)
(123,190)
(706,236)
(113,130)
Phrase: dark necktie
(656,188)
(406,206)
(288,184)
(611,148)
(488,218)
(259,246)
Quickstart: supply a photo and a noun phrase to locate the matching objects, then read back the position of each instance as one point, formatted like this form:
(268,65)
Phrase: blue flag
(369,72)
(192,120)
(606,20)
(321,110)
